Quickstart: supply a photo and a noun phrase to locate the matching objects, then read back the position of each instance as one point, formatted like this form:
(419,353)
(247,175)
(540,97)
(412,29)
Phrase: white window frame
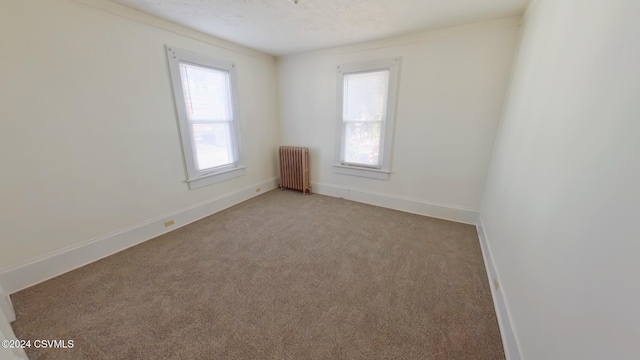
(199,178)
(382,172)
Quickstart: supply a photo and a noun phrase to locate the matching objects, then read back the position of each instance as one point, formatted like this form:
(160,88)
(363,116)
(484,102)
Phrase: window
(366,113)
(206,103)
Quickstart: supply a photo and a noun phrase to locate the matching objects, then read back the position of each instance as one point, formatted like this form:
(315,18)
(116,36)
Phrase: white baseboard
(6,332)
(59,262)
(6,307)
(509,339)
(415,206)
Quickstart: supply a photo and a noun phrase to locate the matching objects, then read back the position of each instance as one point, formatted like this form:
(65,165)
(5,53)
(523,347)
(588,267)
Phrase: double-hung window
(206,104)
(366,112)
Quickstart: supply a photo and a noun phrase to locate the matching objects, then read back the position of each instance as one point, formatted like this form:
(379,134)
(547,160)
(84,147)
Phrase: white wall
(452,86)
(89,142)
(562,200)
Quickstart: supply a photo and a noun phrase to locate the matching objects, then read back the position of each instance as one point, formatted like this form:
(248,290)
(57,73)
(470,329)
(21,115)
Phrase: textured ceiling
(280,27)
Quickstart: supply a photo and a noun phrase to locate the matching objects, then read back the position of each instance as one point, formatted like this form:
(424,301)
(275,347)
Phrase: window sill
(216,177)
(362,172)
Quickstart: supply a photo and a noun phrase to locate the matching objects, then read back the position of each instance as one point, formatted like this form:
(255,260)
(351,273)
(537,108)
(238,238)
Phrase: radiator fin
(294,168)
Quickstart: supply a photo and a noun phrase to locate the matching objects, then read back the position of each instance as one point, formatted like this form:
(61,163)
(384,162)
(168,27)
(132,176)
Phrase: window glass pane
(207,94)
(365,96)
(212,143)
(362,143)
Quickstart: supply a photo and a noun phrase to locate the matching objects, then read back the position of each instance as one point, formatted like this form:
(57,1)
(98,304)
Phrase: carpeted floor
(281,276)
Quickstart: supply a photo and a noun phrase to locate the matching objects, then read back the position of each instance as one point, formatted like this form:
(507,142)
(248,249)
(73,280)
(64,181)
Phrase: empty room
(320,179)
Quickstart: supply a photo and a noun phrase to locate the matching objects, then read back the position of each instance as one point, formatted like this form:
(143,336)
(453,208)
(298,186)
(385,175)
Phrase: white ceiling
(280,27)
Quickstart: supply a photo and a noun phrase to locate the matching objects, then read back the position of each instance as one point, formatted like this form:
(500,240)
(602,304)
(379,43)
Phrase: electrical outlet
(496,284)
(169,223)
(257,189)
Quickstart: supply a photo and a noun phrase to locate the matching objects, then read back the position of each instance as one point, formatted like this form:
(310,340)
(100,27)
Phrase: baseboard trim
(6,307)
(509,339)
(415,206)
(27,274)
(7,316)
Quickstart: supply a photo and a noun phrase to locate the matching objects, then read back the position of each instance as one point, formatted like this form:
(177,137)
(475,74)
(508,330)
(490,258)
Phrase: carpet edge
(395,202)
(509,338)
(7,316)
(45,267)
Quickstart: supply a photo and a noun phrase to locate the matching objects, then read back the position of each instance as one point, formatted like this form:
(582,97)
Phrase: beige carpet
(281,276)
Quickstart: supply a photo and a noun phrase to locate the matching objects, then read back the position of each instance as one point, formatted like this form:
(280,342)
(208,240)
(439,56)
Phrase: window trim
(199,178)
(383,172)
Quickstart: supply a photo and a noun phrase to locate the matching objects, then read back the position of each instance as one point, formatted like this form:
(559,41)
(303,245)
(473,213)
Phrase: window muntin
(366,115)
(207,108)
